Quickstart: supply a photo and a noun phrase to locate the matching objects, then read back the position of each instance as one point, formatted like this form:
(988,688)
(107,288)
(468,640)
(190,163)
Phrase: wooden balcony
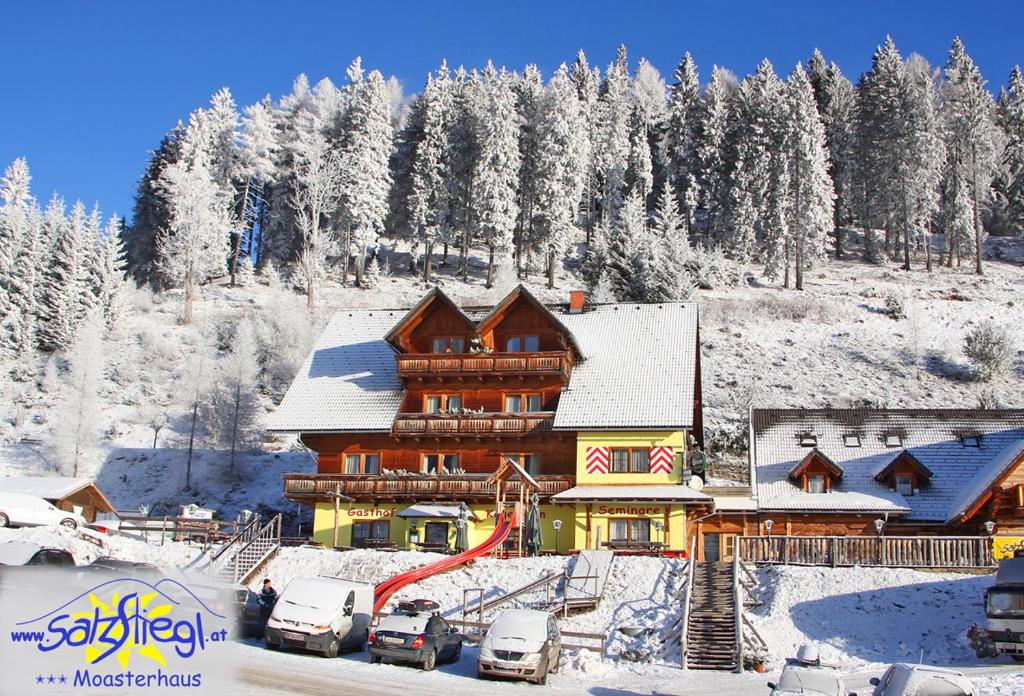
(480,365)
(310,488)
(471,424)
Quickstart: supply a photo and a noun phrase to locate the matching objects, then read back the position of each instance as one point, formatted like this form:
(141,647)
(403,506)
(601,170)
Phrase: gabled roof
(905,457)
(961,475)
(51,487)
(434,296)
(819,457)
(493,317)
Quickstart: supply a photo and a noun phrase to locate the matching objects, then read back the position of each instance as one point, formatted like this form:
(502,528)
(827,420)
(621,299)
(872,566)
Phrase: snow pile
(87,546)
(867,616)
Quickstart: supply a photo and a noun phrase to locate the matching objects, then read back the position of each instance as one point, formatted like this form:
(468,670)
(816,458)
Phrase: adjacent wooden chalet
(411,408)
(71,494)
(919,471)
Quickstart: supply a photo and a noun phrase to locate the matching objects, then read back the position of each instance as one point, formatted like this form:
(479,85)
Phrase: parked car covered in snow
(416,634)
(921,680)
(323,615)
(109,566)
(22,553)
(21,510)
(521,644)
(805,675)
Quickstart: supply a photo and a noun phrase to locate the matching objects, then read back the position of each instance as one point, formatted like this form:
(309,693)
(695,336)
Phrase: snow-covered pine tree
(586,82)
(639,168)
(463,153)
(62,308)
(76,423)
(399,221)
(112,293)
(246,275)
(496,176)
(269,275)
(670,279)
(194,246)
(559,173)
(1012,122)
(151,213)
(237,403)
(837,105)
(427,196)
(529,90)
(315,192)
(612,149)
(630,251)
(684,117)
(810,187)
(970,135)
(258,155)
(649,97)
(19,238)
(712,168)
(365,176)
(925,157)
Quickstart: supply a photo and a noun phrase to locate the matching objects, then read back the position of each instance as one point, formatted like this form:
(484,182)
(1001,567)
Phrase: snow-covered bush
(246,274)
(269,276)
(990,350)
(710,269)
(285,332)
(895,307)
(372,276)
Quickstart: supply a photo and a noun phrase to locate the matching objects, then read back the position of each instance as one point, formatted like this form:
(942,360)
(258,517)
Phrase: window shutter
(661,460)
(597,460)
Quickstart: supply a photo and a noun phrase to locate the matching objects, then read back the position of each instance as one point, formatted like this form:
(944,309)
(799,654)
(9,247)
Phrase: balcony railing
(311,487)
(482,364)
(886,551)
(498,424)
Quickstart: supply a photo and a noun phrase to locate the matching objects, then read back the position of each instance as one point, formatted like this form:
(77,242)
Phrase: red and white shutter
(597,460)
(661,460)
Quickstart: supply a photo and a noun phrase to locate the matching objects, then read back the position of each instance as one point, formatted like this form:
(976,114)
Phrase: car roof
(18,552)
(809,679)
(928,668)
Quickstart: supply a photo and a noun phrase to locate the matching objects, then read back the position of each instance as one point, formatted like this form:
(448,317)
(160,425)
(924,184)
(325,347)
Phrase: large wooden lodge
(416,417)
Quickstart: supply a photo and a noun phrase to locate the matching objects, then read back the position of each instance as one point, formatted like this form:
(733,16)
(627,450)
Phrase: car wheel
(4,520)
(69,524)
(457,653)
(558,659)
(376,659)
(362,644)
(270,646)
(332,649)
(430,661)
(543,678)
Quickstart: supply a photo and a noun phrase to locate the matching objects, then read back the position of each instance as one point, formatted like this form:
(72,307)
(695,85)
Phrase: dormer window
(816,473)
(808,440)
(851,440)
(893,440)
(905,474)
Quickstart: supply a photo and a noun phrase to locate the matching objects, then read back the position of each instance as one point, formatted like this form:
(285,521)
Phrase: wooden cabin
(71,494)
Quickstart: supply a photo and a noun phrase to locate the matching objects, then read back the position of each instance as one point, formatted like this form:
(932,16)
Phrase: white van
(323,615)
(22,510)
(521,644)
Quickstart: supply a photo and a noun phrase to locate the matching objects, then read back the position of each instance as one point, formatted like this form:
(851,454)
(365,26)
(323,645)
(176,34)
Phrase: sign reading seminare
(630,510)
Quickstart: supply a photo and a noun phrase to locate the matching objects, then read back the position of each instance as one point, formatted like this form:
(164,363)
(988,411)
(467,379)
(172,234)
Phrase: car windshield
(315,594)
(521,626)
(1006,603)
(810,681)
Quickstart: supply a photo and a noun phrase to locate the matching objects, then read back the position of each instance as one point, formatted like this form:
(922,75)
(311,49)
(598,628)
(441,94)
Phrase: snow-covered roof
(349,382)
(640,492)
(940,439)
(433,510)
(46,487)
(734,503)
(638,373)
(640,368)
(17,553)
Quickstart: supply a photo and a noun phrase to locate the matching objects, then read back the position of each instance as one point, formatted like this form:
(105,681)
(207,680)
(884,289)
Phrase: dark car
(417,634)
(21,553)
(109,566)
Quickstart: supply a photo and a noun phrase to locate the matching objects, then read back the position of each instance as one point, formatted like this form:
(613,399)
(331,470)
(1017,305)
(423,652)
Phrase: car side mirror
(874,681)
(771,685)
(453,629)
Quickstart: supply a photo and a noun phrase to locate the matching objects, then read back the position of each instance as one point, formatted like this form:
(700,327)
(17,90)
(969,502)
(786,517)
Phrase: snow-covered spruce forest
(176,331)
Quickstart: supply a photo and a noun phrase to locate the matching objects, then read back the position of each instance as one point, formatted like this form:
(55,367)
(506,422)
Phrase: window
(360,463)
(440,463)
(530,463)
(904,484)
(851,440)
(629,531)
(808,440)
(633,460)
(449,344)
(518,403)
(377,530)
(816,483)
(971,441)
(436,403)
(522,344)
(728,545)
(893,440)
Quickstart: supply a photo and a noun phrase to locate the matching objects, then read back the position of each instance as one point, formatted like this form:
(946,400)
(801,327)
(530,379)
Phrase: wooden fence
(884,551)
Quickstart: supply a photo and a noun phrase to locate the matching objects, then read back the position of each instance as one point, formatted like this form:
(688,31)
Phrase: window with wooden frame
(440,462)
(436,403)
(523,402)
(362,463)
(376,530)
(528,343)
(629,531)
(530,463)
(816,483)
(904,483)
(1020,495)
(630,460)
(448,344)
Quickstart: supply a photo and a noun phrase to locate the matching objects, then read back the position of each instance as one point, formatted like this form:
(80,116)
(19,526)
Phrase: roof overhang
(436,294)
(519,292)
(819,457)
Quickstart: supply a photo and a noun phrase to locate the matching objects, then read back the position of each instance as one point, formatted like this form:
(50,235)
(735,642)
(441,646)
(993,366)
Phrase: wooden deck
(423,365)
(496,424)
(883,551)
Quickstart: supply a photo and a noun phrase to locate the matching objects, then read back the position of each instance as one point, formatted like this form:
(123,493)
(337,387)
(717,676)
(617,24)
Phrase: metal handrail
(240,537)
(508,596)
(685,628)
(738,608)
(273,535)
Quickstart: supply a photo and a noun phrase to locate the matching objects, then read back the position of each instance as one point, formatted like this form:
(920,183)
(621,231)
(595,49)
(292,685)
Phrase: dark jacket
(268,598)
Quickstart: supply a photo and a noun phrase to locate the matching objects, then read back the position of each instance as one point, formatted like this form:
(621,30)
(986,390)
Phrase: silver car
(521,644)
(922,680)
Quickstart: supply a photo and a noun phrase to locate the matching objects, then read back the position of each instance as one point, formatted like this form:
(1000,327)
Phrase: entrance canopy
(644,493)
(436,511)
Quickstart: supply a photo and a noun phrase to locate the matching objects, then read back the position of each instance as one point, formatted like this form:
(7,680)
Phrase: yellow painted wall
(603,513)
(478,531)
(675,439)
(1005,546)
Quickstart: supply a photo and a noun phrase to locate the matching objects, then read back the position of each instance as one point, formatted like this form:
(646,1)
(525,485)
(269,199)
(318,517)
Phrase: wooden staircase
(239,559)
(711,628)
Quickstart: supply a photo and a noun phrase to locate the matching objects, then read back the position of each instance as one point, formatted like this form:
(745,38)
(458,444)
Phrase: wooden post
(337,510)
(589,510)
(668,546)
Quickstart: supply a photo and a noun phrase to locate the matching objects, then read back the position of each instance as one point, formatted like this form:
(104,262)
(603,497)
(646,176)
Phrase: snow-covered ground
(860,618)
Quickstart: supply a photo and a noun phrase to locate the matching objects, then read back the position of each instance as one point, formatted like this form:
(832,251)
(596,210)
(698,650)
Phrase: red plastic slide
(502,528)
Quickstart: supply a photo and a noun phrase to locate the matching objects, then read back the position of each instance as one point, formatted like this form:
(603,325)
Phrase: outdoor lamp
(879,524)
(990,527)
(557,524)
(768,526)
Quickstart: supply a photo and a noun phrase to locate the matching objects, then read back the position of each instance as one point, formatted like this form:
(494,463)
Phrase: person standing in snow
(267,600)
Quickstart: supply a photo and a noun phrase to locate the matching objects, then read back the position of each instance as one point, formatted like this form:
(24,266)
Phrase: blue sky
(89,87)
